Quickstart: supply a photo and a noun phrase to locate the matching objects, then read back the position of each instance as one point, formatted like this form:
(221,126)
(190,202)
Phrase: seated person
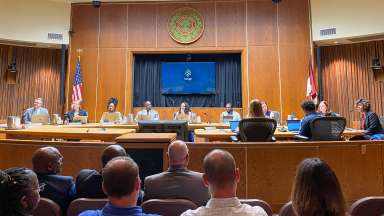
(47,163)
(72,116)
(112,115)
(222,177)
(147,113)
(313,175)
(229,114)
(256,109)
(37,109)
(184,113)
(19,189)
(121,183)
(309,109)
(370,122)
(266,111)
(177,182)
(324,110)
(88,182)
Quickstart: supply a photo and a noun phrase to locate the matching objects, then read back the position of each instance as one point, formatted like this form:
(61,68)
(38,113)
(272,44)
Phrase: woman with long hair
(316,190)
(255,109)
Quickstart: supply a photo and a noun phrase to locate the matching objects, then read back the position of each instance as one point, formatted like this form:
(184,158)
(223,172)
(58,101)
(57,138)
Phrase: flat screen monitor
(188,78)
(172,126)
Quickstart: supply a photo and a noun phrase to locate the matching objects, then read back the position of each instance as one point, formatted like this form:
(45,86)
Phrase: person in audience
(121,183)
(76,111)
(370,122)
(266,111)
(229,114)
(37,109)
(184,113)
(89,182)
(309,109)
(324,109)
(19,189)
(47,163)
(111,115)
(177,181)
(255,109)
(222,177)
(147,113)
(316,190)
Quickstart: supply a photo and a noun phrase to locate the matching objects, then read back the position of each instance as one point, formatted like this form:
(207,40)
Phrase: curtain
(147,80)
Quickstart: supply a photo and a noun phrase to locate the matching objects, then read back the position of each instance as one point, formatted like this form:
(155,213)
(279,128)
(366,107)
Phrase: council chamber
(191,107)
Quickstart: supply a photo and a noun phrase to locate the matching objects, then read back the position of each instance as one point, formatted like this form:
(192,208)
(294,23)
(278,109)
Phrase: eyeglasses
(40,187)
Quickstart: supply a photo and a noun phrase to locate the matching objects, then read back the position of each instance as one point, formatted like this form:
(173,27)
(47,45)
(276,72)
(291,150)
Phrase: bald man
(177,181)
(222,177)
(47,163)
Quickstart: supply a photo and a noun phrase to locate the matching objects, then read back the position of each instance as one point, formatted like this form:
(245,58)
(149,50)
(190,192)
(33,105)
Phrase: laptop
(227,119)
(293,125)
(144,117)
(40,118)
(234,125)
(82,119)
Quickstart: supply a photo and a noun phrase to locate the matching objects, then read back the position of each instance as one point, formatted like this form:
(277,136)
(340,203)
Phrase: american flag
(77,84)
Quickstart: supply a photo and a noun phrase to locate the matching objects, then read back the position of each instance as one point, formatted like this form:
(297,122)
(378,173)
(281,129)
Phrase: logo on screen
(188,75)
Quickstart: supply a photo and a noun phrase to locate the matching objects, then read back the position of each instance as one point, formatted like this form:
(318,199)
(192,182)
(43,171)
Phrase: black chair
(372,206)
(172,126)
(257,130)
(328,128)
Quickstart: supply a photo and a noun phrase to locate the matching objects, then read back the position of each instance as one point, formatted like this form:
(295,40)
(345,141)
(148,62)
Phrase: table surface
(226,133)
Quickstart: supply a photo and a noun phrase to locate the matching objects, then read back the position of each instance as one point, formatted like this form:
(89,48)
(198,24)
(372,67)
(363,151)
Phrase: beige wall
(352,18)
(31,20)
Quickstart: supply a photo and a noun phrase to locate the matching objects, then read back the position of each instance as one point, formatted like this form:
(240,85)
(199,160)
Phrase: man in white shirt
(147,113)
(222,177)
(37,109)
(229,114)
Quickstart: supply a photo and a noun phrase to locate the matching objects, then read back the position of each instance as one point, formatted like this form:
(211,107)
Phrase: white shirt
(235,116)
(227,207)
(151,115)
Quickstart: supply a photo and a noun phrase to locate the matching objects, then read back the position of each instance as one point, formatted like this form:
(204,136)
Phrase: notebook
(293,125)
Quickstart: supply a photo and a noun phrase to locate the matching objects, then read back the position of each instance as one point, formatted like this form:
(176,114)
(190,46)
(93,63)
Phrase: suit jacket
(372,124)
(60,189)
(69,115)
(88,185)
(177,183)
(305,129)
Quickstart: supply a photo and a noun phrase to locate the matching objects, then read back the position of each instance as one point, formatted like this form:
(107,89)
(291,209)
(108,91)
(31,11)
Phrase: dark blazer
(305,129)
(372,124)
(69,115)
(177,183)
(88,185)
(60,189)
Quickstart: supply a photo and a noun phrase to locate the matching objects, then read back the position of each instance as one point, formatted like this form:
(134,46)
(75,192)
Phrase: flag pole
(79,51)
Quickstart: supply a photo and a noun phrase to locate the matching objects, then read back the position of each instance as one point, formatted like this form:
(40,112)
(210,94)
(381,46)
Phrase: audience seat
(258,202)
(287,210)
(368,206)
(168,207)
(82,204)
(47,207)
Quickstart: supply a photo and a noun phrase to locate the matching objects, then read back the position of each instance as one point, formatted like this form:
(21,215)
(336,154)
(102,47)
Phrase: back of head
(111,152)
(308,106)
(47,160)
(119,177)
(178,153)
(255,109)
(15,183)
(316,190)
(220,167)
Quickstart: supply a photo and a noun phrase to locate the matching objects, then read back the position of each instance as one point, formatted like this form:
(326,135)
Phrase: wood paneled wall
(38,76)
(347,77)
(273,38)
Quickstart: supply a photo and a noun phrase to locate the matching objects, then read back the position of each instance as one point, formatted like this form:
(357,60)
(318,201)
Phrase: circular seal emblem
(185,25)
